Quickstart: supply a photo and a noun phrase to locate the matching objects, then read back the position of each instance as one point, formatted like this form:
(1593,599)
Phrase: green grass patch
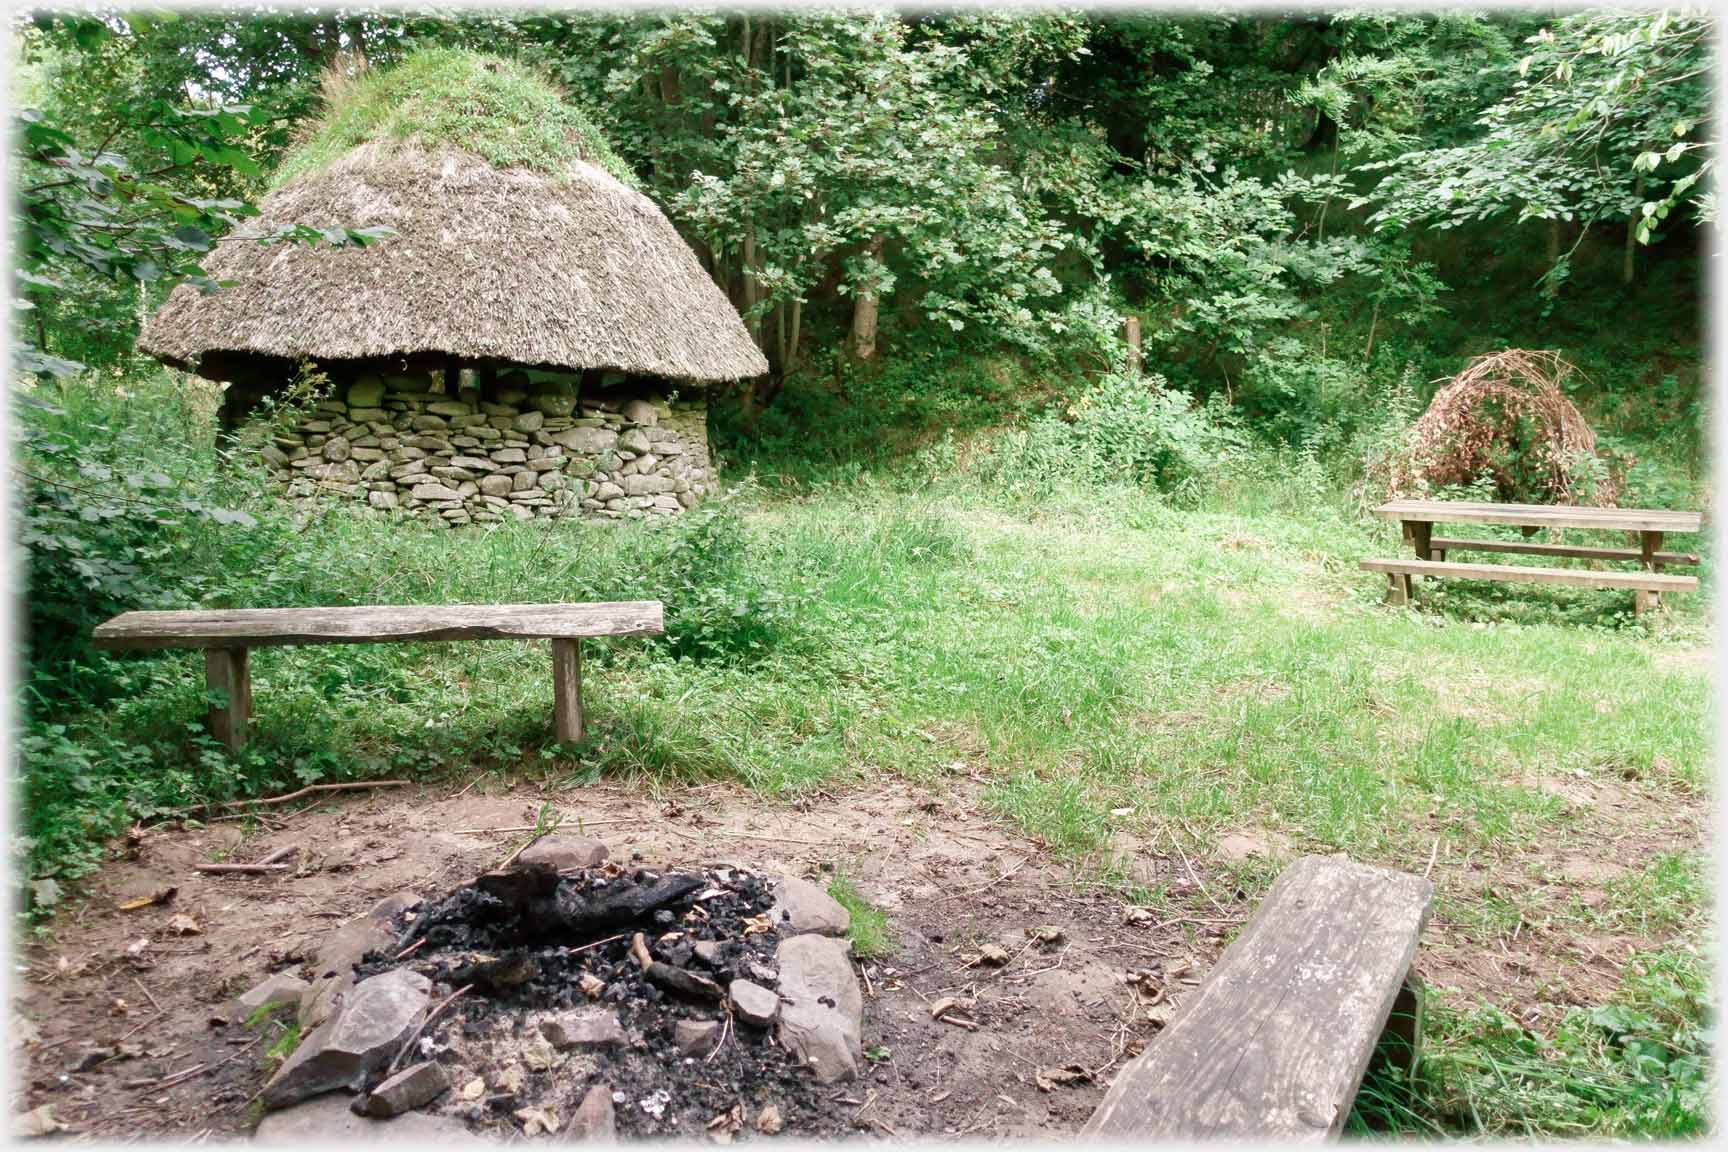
(868,930)
(497,109)
(1634,1067)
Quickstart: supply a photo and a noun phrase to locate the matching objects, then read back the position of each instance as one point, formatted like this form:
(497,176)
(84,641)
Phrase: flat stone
(449,408)
(496,485)
(414,1087)
(273,456)
(425,423)
(633,440)
(800,906)
(434,492)
(509,456)
(383,500)
(282,990)
(708,951)
(753,1003)
(586,441)
(594,1120)
(696,1037)
(529,422)
(609,491)
(474,463)
(374,930)
(368,414)
(566,852)
(357,1040)
(637,412)
(366,392)
(822,1013)
(328,1121)
(588,1028)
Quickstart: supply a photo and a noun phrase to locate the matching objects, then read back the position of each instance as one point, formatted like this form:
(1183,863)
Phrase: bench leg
(1401,1042)
(1397,588)
(1644,600)
(1419,533)
(228,673)
(1650,543)
(567,691)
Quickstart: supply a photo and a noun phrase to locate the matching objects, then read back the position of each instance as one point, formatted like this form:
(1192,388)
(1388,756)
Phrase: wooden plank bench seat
(1438,546)
(1643,583)
(227,636)
(1274,1043)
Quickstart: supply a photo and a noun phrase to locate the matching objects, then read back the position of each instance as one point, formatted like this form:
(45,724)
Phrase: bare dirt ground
(948,877)
(948,880)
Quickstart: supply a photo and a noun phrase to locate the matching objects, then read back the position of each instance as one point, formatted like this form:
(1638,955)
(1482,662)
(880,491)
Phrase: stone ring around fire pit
(571,995)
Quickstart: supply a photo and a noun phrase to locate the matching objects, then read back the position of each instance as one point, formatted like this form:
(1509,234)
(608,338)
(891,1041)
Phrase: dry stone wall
(531,448)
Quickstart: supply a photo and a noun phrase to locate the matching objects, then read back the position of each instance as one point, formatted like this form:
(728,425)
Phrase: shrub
(1122,430)
(719,606)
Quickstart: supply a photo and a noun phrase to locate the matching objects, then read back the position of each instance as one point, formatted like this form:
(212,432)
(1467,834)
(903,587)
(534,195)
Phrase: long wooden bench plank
(1274,1043)
(1572,551)
(1518,573)
(260,627)
(1541,515)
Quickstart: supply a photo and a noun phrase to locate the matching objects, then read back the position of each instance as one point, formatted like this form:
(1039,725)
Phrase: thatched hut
(531,338)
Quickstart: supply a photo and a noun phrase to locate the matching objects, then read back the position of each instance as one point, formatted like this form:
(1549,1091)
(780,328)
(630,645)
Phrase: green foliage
(1603,123)
(1124,430)
(1635,1067)
(718,605)
(868,929)
(496,109)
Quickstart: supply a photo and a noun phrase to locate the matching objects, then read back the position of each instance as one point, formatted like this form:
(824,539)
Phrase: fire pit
(572,995)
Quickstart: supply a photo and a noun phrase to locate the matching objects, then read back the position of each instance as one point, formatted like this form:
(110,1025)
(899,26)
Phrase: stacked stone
(531,451)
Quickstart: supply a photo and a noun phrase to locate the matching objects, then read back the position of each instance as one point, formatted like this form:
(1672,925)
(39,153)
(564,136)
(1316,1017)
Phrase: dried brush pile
(1506,417)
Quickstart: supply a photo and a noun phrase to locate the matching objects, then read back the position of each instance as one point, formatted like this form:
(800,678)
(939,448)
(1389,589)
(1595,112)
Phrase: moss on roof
(499,110)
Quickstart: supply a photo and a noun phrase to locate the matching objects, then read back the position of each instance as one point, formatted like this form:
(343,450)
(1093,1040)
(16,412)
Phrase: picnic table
(1649,526)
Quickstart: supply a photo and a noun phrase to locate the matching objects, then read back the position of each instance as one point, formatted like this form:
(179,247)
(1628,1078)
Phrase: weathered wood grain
(567,691)
(1541,515)
(258,627)
(1514,573)
(228,674)
(1274,1043)
(1571,551)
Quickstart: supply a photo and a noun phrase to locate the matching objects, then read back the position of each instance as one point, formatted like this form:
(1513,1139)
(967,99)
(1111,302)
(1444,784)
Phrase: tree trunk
(1131,337)
(1628,258)
(1551,286)
(865,310)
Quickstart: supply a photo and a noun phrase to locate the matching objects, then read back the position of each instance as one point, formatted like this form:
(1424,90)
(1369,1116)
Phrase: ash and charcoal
(607,978)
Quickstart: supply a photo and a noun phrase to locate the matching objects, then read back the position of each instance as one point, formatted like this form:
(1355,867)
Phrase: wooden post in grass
(228,674)
(567,691)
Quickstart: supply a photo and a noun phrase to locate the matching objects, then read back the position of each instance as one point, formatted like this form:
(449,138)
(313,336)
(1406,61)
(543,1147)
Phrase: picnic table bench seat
(1274,1043)
(1648,525)
(228,635)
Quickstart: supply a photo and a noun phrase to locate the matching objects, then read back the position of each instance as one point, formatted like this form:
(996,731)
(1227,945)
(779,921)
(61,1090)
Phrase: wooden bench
(1274,1043)
(227,636)
(1648,525)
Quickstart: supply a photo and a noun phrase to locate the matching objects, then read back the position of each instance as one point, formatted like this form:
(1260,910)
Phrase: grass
(868,930)
(1112,668)
(496,109)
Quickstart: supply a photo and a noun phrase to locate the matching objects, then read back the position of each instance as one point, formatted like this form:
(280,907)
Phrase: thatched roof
(566,268)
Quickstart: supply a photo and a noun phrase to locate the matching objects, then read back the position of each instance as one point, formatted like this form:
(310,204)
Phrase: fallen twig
(1433,855)
(200,1069)
(414,1037)
(991,884)
(242,869)
(578,825)
(1205,891)
(280,854)
(306,791)
(148,995)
